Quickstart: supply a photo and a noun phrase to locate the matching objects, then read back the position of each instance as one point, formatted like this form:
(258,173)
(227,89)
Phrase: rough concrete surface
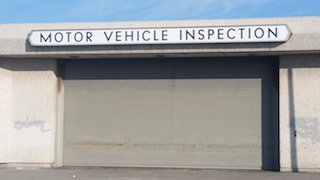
(153,174)
(299,112)
(14,43)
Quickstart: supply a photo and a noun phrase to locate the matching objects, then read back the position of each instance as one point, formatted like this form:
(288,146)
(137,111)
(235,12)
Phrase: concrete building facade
(159,104)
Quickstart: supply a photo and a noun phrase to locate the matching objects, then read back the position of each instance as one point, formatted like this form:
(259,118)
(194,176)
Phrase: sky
(57,11)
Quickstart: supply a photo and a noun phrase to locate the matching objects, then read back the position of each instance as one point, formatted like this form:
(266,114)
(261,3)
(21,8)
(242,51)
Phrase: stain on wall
(309,128)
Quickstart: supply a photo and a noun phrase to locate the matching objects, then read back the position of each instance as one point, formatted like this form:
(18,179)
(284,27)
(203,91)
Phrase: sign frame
(160,35)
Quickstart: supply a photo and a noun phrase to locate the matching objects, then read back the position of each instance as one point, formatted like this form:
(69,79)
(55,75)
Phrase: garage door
(186,113)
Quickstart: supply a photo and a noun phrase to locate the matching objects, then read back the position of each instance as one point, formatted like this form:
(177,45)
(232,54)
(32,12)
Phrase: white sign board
(188,35)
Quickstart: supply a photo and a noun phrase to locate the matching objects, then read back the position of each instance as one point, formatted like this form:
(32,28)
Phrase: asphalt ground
(147,174)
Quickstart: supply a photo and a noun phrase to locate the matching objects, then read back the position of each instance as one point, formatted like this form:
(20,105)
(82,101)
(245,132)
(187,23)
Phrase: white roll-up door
(189,113)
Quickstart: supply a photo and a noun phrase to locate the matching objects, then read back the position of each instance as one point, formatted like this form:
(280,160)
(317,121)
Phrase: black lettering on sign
(256,33)
(108,37)
(220,33)
(89,36)
(164,35)
(128,35)
(118,35)
(42,38)
(138,35)
(189,34)
(228,33)
(241,32)
(155,36)
(78,36)
(210,33)
(275,33)
(68,36)
(144,37)
(201,35)
(58,37)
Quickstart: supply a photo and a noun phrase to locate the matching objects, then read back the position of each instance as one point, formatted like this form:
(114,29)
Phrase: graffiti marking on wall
(28,124)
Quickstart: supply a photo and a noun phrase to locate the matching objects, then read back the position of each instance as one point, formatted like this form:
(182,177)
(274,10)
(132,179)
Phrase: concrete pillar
(5,111)
(300,112)
(30,118)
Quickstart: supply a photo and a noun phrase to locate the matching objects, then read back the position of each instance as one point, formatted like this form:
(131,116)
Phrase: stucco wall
(300,112)
(5,112)
(28,110)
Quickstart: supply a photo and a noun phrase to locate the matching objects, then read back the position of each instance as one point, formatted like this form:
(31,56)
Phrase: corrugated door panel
(164,113)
